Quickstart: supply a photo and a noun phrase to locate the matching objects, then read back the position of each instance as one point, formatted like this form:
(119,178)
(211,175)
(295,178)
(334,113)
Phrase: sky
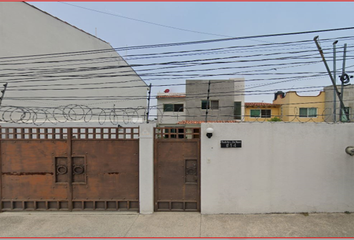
(126,24)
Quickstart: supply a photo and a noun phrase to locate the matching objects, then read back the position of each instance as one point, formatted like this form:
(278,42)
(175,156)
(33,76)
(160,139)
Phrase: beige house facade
(296,108)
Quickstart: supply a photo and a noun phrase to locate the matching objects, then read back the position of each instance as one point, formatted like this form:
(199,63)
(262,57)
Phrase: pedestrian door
(177,169)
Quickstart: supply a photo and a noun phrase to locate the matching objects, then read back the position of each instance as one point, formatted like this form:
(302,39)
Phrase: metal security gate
(177,169)
(69,169)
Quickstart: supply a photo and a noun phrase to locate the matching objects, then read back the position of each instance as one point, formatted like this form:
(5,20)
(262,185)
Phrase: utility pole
(335,80)
(207,105)
(148,109)
(329,71)
(344,116)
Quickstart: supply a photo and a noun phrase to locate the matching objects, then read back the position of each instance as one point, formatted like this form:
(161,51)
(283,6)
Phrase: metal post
(3,93)
(335,80)
(328,70)
(148,109)
(70,168)
(1,162)
(207,106)
(343,119)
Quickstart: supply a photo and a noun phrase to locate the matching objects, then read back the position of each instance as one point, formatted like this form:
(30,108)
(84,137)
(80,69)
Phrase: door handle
(78,169)
(62,169)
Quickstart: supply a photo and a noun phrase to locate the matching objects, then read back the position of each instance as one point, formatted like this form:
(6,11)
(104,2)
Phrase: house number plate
(231,143)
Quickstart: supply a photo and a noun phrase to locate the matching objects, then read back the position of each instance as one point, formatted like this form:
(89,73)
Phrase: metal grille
(62,133)
(33,133)
(177,133)
(105,133)
(58,205)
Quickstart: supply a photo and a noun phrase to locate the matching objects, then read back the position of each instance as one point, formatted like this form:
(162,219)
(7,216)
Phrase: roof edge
(66,22)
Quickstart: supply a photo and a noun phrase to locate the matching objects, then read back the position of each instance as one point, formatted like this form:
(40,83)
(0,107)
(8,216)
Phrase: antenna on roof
(96,32)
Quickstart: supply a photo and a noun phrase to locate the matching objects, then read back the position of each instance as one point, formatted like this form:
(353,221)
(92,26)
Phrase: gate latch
(78,169)
(191,171)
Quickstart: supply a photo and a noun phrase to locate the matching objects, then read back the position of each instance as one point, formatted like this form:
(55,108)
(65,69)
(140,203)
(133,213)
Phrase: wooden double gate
(69,169)
(177,169)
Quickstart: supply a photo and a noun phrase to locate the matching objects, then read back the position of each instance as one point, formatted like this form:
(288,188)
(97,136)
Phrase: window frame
(343,116)
(252,115)
(215,105)
(261,115)
(266,115)
(238,110)
(169,106)
(211,106)
(308,112)
(173,107)
(178,109)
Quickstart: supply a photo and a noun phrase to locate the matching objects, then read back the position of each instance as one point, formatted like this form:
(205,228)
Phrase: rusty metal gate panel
(69,169)
(105,169)
(177,169)
(28,170)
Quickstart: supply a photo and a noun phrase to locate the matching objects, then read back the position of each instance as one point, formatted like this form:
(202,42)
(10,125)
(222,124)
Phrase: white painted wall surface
(146,168)
(281,167)
(25,30)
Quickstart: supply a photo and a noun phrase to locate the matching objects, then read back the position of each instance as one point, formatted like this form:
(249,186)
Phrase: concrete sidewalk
(123,224)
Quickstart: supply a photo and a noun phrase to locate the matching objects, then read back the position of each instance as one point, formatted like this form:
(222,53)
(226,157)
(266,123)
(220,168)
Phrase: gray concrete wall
(222,90)
(281,167)
(25,30)
(348,99)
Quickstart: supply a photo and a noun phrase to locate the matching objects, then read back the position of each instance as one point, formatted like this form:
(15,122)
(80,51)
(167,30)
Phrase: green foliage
(274,119)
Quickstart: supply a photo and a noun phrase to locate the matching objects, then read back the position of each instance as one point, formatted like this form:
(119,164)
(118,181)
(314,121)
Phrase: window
(173,107)
(255,113)
(213,104)
(266,113)
(345,114)
(168,107)
(204,104)
(237,110)
(178,108)
(262,113)
(308,112)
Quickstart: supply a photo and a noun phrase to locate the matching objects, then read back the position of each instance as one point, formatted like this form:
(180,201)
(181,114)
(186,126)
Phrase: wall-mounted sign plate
(231,143)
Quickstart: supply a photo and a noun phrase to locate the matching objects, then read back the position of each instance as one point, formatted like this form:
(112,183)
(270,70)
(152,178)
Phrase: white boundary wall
(146,168)
(281,167)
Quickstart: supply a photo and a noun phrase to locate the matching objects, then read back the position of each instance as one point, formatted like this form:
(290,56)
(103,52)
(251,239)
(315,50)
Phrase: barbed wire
(75,113)
(71,113)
